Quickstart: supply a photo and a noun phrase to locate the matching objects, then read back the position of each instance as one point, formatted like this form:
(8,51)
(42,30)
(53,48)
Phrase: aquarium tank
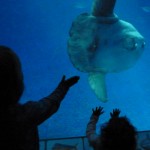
(38,31)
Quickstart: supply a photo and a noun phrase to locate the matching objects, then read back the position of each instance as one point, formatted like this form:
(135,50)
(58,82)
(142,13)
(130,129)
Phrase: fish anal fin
(98,85)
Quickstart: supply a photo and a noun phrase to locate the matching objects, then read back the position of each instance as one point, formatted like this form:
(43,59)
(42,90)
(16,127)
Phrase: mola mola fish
(101,43)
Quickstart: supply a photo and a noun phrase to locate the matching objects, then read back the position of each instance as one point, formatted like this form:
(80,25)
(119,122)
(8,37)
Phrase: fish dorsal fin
(103,8)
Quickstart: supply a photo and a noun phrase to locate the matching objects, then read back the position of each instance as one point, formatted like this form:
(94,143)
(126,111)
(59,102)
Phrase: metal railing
(81,142)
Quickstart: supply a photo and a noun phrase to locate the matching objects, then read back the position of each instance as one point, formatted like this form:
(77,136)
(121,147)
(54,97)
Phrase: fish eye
(135,45)
(130,44)
(143,44)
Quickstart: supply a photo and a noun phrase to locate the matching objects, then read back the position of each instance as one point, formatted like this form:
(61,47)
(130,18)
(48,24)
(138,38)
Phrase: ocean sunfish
(101,43)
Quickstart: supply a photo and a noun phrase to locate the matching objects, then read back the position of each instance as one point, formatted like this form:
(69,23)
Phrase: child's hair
(118,134)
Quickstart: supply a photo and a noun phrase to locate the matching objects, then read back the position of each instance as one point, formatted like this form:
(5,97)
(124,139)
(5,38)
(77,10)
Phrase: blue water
(37,30)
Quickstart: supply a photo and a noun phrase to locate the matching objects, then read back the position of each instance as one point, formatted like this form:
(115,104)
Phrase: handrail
(141,136)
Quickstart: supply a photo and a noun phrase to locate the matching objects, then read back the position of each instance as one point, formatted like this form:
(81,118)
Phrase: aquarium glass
(38,31)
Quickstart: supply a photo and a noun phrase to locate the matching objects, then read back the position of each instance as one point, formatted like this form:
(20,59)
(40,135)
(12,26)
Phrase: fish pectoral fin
(98,85)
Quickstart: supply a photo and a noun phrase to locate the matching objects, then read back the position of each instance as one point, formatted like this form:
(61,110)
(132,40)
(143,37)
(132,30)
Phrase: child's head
(118,133)
(11,77)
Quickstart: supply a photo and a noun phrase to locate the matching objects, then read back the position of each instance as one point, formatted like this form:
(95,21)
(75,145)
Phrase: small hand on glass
(115,113)
(98,111)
